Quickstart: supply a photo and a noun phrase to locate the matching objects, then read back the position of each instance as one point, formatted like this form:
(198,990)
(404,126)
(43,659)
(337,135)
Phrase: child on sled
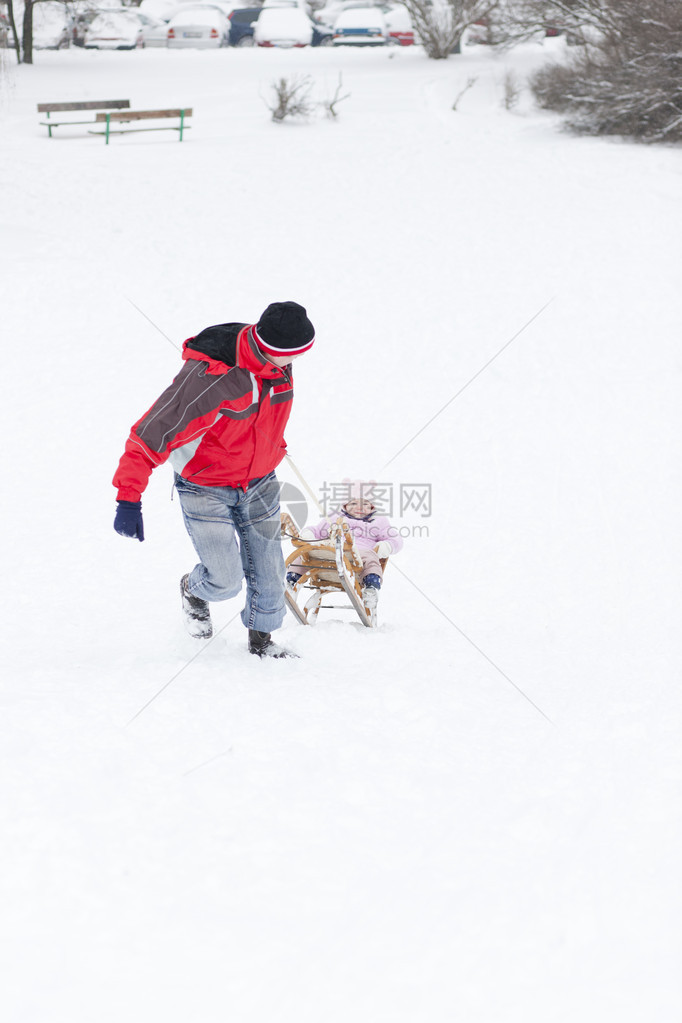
(374,537)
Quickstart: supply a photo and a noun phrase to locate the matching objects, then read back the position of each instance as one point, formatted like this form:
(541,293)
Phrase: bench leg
(106,134)
(182,122)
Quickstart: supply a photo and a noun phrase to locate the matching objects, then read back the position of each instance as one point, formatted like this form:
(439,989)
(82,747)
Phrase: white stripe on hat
(282,351)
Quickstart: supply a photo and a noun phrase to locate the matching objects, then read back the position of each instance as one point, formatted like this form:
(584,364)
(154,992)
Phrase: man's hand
(128,521)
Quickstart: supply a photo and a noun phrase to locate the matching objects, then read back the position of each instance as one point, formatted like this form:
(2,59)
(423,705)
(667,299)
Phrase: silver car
(202,27)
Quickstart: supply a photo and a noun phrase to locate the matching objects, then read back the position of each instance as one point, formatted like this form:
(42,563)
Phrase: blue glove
(128,521)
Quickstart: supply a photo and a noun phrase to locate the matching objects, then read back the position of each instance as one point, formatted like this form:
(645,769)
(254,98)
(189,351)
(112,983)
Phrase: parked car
(199,26)
(301,4)
(226,6)
(115,30)
(154,29)
(161,9)
(84,12)
(399,24)
(241,25)
(322,35)
(328,14)
(283,26)
(52,27)
(287,15)
(361,26)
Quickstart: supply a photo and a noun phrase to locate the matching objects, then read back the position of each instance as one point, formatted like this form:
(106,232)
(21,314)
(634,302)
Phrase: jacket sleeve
(183,413)
(383,530)
(321,530)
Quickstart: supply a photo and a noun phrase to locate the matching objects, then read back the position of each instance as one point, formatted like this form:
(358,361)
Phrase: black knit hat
(284,329)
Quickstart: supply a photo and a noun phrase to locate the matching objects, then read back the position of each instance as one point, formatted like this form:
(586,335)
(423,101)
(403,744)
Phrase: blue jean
(236,534)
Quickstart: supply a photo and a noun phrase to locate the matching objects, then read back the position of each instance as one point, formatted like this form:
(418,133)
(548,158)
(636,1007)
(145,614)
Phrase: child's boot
(371,585)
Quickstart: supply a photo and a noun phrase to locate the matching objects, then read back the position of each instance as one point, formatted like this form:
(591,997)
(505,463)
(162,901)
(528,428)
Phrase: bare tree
(23,42)
(439,24)
(628,79)
(27,31)
(13,27)
(291,98)
(511,89)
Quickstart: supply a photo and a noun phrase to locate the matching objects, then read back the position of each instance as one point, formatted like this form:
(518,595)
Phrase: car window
(245,17)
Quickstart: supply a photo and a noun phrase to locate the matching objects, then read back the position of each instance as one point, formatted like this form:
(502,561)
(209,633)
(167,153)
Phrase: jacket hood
(219,343)
(227,345)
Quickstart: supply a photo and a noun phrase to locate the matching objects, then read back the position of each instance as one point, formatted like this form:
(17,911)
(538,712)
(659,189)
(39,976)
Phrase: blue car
(241,25)
(242,22)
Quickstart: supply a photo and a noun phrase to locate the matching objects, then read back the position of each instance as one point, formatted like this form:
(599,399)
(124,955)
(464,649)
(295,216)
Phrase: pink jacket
(365,534)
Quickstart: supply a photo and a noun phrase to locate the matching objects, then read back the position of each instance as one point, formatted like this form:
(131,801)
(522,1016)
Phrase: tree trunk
(27,35)
(13,25)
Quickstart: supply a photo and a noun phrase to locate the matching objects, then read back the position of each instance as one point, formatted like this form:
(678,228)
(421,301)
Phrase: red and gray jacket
(220,423)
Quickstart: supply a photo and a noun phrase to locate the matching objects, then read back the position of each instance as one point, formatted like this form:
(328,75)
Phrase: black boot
(195,612)
(261,644)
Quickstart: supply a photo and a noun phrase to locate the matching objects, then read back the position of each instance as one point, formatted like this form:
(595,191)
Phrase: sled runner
(329,567)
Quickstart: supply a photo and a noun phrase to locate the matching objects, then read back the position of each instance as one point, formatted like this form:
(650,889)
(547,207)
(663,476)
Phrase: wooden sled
(329,567)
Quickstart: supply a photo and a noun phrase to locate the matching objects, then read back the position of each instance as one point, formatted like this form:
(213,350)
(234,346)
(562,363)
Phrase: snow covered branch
(628,80)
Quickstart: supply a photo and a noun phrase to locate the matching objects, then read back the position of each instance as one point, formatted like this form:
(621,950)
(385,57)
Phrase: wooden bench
(142,115)
(95,104)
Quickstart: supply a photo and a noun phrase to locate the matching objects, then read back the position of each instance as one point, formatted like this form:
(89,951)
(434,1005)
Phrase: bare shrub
(512,90)
(329,105)
(292,98)
(580,20)
(469,84)
(628,79)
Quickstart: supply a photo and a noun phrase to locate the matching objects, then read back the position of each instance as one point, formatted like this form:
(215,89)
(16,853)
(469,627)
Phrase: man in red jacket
(221,425)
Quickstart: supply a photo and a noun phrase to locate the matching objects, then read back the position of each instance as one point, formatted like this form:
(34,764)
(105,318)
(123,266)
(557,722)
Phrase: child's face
(358,506)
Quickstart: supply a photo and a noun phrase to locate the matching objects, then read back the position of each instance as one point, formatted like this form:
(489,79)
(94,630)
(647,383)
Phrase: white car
(201,27)
(84,13)
(283,26)
(301,4)
(160,9)
(226,6)
(115,30)
(328,14)
(155,30)
(361,26)
(52,27)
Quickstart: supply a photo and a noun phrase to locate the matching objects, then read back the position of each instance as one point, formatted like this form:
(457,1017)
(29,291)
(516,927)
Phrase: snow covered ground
(473,813)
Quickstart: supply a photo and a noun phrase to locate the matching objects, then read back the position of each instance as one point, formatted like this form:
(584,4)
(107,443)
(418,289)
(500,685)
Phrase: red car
(399,25)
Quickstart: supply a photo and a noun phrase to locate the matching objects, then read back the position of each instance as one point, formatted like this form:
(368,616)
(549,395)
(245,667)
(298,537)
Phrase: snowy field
(471,814)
